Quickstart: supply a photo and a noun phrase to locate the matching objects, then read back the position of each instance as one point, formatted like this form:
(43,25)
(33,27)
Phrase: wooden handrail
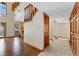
(31,12)
(56,37)
(15,5)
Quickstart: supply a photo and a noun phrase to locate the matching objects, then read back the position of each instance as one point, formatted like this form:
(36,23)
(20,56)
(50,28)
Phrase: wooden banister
(15,5)
(31,12)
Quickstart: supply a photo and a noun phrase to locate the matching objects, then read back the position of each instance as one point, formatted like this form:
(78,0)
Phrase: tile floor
(59,47)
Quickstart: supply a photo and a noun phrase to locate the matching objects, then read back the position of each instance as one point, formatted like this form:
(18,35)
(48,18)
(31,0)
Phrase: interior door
(46,30)
(77,40)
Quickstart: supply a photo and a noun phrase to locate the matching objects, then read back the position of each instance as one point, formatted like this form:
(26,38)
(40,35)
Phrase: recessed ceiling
(55,9)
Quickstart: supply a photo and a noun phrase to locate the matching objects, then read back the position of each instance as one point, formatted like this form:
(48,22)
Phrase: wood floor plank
(16,47)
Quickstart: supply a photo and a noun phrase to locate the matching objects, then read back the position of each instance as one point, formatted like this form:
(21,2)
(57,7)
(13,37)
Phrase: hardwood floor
(16,47)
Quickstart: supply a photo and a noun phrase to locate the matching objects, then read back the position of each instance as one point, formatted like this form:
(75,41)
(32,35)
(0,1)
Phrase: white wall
(34,31)
(59,29)
(9,19)
(50,29)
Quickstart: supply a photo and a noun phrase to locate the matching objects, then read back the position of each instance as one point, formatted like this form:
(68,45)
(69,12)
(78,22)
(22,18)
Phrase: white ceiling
(55,9)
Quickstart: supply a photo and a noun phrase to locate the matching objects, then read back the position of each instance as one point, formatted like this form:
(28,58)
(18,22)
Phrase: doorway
(19,29)
(2,29)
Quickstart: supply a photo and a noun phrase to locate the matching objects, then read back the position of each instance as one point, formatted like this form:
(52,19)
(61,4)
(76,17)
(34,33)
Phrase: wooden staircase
(29,12)
(15,5)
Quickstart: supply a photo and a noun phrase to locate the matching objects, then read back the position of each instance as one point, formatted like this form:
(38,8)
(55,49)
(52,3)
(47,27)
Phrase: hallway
(58,47)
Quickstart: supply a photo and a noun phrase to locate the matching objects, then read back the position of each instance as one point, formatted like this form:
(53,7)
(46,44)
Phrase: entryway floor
(58,47)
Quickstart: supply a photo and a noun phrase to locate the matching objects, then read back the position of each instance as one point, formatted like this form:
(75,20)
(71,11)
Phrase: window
(3,9)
